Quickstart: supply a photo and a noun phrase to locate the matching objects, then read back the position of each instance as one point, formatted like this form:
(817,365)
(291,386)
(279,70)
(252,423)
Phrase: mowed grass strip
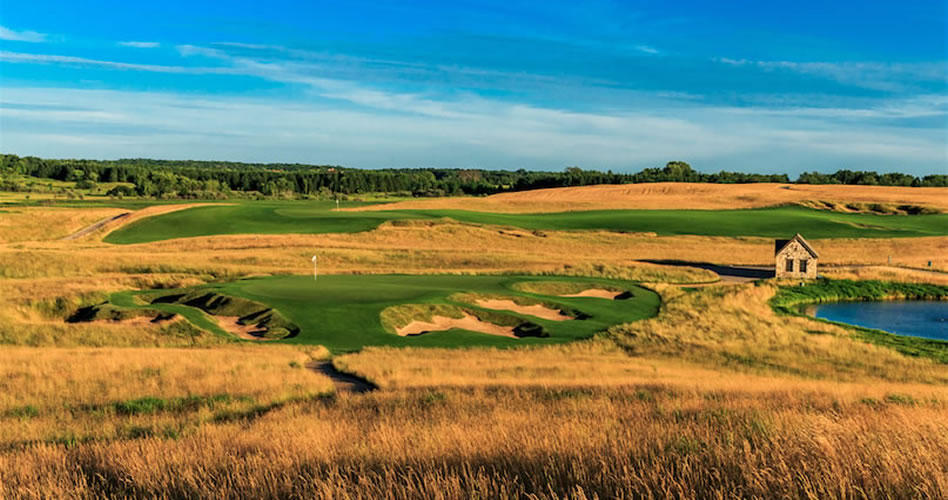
(308,217)
(342,312)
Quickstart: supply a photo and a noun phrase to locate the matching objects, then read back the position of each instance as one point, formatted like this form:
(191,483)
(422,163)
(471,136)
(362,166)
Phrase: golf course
(192,348)
(343,312)
(320,218)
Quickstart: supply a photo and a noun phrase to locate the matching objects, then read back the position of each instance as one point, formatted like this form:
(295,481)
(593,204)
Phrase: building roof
(779,245)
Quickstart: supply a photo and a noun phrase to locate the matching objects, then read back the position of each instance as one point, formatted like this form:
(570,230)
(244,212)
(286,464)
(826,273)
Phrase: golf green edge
(342,312)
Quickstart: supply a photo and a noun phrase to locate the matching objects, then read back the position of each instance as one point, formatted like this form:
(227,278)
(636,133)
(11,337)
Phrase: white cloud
(647,49)
(21,36)
(466,132)
(140,45)
(82,61)
(872,75)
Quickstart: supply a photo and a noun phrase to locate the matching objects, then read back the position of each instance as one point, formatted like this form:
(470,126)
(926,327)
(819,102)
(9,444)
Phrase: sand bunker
(247,332)
(599,293)
(442,323)
(538,310)
(140,320)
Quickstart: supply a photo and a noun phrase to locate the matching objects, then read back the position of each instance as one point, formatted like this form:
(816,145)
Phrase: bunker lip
(599,293)
(536,310)
(443,323)
(231,325)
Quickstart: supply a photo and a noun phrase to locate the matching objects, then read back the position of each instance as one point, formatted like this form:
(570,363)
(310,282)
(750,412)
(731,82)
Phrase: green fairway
(342,312)
(311,217)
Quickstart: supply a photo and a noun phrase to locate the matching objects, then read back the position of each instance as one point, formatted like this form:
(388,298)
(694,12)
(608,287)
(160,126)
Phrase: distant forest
(213,179)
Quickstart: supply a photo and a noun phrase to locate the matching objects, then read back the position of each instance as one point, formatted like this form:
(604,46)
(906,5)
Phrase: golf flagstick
(315,269)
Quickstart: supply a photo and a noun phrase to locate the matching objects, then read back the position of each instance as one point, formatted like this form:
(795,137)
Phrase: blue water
(918,318)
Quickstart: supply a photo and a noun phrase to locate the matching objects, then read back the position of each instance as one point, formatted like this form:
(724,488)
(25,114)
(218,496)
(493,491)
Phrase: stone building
(795,258)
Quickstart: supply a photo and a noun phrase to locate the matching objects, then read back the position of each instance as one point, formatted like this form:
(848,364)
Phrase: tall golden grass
(642,441)
(55,394)
(39,224)
(678,195)
(734,327)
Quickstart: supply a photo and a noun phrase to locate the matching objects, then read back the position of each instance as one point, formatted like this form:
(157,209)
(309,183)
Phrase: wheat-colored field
(679,196)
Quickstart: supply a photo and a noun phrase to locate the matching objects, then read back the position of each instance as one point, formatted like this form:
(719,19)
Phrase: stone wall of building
(795,252)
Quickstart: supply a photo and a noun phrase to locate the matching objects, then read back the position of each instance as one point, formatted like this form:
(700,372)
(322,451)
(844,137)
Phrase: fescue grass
(49,394)
(650,440)
(734,327)
(682,195)
(316,218)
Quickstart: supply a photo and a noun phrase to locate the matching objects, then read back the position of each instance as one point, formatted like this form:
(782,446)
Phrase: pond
(916,318)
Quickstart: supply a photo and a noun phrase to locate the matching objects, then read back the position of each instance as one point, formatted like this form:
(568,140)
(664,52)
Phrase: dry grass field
(679,196)
(674,433)
(716,397)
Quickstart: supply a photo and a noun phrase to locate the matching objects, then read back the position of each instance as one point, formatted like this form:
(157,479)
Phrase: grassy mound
(250,313)
(109,312)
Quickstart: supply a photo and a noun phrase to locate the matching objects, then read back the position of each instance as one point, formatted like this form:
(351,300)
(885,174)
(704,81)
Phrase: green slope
(316,217)
(342,312)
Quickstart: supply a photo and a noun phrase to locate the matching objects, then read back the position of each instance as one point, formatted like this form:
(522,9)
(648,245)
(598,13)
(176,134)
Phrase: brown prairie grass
(734,327)
(677,195)
(642,441)
(39,224)
(49,394)
(886,273)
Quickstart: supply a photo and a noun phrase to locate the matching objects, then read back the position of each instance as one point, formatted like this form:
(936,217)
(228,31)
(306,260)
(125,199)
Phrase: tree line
(211,179)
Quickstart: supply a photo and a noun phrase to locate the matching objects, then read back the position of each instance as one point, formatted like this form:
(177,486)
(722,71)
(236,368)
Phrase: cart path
(95,227)
(728,275)
(343,382)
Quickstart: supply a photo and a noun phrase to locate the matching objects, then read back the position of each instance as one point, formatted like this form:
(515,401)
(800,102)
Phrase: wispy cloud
(140,45)
(7,56)
(22,36)
(647,49)
(872,75)
(471,131)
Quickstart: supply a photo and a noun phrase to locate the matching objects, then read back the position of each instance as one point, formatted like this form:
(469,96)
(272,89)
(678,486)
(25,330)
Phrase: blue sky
(741,85)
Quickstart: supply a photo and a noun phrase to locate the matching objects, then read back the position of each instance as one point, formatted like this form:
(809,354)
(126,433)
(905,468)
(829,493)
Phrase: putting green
(309,217)
(342,312)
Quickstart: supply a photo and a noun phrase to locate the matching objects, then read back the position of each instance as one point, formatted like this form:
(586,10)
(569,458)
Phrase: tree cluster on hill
(210,179)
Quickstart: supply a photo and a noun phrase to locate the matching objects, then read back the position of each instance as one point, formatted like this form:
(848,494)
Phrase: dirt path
(95,227)
(343,382)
